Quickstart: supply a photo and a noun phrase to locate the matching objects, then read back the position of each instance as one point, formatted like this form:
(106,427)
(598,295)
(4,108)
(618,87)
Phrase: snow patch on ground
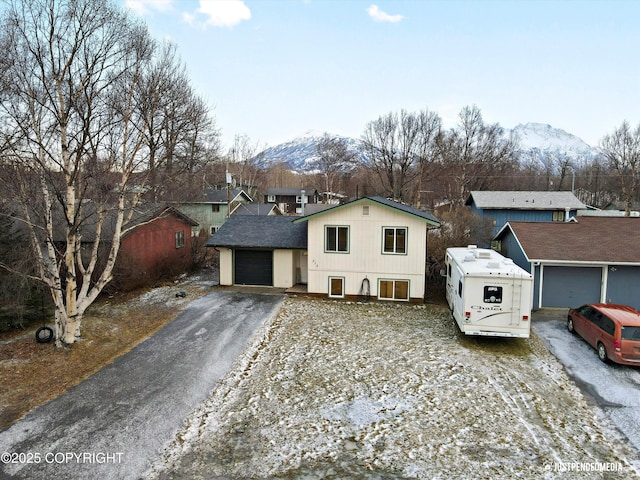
(341,390)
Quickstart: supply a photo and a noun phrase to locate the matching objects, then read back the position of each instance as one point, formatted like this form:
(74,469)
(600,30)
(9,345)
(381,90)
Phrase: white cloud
(143,7)
(380,16)
(224,13)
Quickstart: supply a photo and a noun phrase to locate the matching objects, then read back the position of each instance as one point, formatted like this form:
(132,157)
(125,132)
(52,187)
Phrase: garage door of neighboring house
(253,267)
(570,286)
(623,285)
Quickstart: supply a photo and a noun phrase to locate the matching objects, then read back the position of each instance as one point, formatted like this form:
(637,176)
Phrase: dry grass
(32,373)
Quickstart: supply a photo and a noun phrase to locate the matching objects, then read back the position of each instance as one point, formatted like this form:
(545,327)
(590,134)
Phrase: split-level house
(370,247)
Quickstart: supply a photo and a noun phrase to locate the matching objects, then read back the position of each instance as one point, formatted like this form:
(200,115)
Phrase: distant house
(292,200)
(371,246)
(213,209)
(590,259)
(501,207)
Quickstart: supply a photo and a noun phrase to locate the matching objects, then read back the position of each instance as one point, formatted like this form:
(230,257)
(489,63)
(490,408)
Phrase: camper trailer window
(492,294)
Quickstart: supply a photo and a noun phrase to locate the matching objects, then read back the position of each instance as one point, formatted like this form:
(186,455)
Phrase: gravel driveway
(342,390)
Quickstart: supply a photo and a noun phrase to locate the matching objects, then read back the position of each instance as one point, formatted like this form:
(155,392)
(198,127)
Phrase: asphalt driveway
(614,388)
(116,423)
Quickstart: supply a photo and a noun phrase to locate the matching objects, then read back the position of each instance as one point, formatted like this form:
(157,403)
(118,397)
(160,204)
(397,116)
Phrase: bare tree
(334,158)
(396,144)
(242,162)
(71,72)
(622,151)
(476,154)
(179,132)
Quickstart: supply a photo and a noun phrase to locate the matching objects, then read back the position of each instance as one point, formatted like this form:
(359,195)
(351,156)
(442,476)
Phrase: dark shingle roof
(590,239)
(385,202)
(258,231)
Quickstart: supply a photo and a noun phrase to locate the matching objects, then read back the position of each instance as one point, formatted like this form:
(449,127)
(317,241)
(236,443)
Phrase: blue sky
(276,69)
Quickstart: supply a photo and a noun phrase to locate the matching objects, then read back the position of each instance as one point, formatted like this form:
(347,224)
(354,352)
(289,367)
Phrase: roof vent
(495,265)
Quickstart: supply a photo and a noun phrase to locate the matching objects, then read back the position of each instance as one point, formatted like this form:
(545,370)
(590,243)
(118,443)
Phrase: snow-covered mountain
(538,142)
(301,152)
(546,144)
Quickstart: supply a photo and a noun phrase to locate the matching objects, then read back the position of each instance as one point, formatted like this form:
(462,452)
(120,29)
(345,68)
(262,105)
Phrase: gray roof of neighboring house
(257,209)
(142,213)
(513,200)
(211,195)
(588,239)
(385,202)
(311,208)
(258,231)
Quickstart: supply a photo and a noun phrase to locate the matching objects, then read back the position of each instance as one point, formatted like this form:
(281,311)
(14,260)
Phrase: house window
(336,287)
(393,290)
(271,198)
(213,229)
(336,239)
(180,239)
(215,208)
(394,240)
(365,210)
(558,216)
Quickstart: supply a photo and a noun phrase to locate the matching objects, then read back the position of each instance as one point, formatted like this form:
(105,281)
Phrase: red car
(613,330)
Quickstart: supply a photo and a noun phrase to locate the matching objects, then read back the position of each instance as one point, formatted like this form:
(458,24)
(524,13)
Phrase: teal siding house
(213,209)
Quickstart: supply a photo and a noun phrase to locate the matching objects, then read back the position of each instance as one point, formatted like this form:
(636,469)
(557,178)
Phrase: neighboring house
(213,209)
(156,245)
(371,245)
(501,207)
(292,200)
(257,209)
(590,259)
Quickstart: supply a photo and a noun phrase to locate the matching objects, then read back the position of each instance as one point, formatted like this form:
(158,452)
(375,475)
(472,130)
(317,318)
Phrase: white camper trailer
(487,293)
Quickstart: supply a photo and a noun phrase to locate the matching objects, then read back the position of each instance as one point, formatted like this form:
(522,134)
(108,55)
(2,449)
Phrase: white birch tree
(70,70)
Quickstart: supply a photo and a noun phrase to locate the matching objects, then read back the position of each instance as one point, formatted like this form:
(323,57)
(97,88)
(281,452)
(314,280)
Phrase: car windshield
(631,333)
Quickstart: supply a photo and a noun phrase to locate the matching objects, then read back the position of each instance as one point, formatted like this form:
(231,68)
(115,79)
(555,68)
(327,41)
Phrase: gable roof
(212,195)
(257,209)
(531,200)
(588,239)
(260,231)
(399,207)
(142,214)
